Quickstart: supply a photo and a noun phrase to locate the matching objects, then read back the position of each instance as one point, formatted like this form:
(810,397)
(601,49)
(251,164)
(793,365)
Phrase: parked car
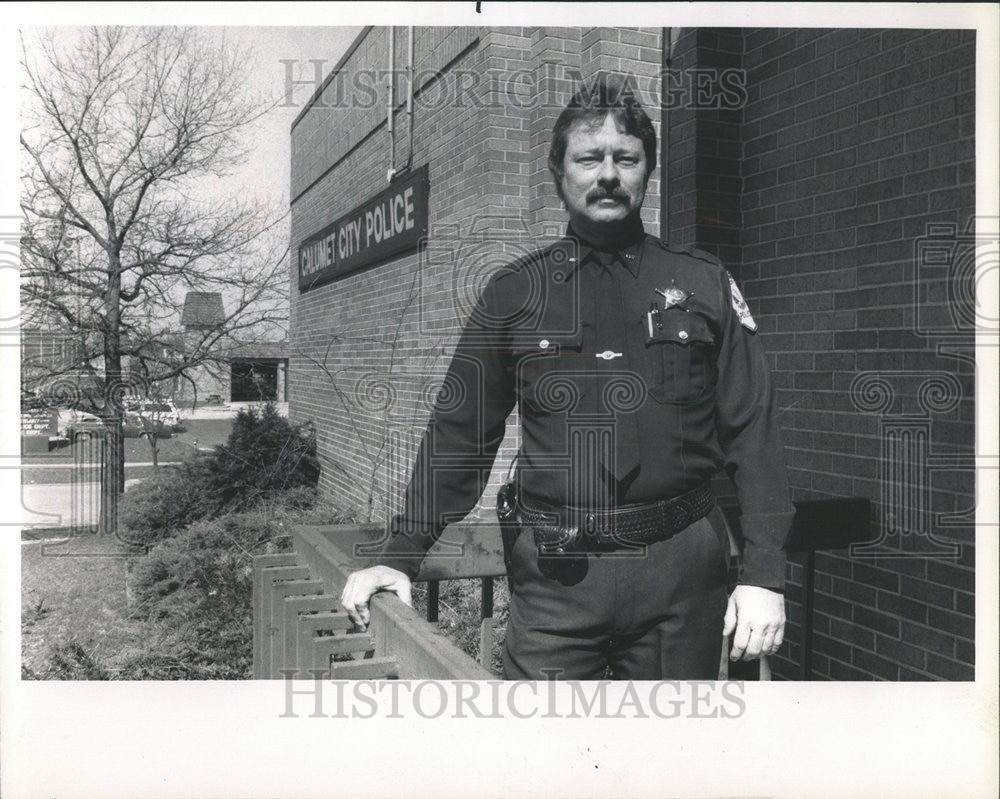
(161,411)
(71,422)
(136,425)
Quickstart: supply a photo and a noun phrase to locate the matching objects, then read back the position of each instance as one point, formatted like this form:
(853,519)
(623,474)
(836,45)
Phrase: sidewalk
(60,505)
(228,411)
(75,502)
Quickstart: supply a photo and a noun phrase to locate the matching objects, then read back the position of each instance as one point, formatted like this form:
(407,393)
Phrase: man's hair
(593,101)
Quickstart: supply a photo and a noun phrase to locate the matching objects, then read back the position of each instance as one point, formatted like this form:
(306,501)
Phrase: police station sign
(391,222)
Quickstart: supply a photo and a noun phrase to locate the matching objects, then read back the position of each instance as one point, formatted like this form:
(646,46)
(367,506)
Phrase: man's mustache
(617,193)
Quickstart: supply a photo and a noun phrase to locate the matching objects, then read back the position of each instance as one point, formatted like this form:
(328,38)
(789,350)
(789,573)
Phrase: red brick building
(832,170)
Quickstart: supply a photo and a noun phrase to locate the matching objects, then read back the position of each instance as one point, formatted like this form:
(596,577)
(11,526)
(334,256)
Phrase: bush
(71,661)
(264,456)
(202,523)
(197,587)
(265,461)
(163,504)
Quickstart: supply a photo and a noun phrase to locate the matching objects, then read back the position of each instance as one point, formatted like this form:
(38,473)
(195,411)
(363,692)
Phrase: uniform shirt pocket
(680,357)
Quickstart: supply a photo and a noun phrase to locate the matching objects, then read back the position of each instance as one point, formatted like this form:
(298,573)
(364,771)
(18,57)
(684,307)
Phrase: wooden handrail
(296,599)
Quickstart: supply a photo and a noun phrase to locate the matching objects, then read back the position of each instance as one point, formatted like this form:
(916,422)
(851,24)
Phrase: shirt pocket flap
(681,327)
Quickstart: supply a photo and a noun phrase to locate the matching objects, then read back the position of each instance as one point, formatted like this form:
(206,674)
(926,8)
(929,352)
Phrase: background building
(236,371)
(832,170)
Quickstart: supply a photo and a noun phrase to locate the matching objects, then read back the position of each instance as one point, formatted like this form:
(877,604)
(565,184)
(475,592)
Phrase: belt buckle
(596,532)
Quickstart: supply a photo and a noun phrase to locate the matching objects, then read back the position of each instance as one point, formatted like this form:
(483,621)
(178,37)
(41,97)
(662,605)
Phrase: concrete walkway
(228,411)
(60,505)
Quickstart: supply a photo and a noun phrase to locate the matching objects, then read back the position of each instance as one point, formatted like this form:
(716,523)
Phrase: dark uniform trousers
(644,613)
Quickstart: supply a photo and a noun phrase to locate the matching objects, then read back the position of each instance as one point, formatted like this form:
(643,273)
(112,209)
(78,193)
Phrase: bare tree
(151,421)
(127,137)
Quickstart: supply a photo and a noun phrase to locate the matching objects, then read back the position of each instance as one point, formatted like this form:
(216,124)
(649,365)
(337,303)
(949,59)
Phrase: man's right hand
(363,584)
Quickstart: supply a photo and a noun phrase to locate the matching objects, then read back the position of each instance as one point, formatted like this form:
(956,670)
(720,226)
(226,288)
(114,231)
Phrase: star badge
(673,296)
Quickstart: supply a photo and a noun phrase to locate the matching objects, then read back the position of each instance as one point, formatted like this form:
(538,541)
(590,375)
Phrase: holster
(549,539)
(507,516)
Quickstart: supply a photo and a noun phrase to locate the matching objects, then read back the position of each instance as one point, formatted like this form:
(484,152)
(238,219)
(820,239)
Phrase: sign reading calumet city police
(391,222)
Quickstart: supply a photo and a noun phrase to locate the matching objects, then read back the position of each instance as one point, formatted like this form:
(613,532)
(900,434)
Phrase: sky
(267,172)
(283,71)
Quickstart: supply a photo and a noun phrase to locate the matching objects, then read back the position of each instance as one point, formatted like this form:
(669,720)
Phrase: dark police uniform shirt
(617,405)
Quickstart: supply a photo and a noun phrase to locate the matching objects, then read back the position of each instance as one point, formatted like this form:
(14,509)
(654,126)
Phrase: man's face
(604,174)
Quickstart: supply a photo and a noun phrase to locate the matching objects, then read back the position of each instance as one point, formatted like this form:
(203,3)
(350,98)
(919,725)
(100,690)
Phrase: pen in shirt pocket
(653,318)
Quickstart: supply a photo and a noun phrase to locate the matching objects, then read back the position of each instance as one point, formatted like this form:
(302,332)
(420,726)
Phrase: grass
(74,609)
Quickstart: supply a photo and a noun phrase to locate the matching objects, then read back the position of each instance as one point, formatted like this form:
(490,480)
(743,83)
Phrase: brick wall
(815,191)
(358,360)
(854,143)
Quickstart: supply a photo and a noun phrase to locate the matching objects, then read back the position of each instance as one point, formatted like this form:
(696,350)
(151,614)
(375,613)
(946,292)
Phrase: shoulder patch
(740,306)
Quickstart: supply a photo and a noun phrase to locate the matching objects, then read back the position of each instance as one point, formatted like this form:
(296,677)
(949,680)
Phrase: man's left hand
(758,617)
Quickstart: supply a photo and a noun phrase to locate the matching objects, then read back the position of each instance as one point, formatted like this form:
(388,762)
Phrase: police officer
(638,375)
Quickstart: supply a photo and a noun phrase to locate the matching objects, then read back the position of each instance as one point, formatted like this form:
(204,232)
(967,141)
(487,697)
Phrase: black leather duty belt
(567,530)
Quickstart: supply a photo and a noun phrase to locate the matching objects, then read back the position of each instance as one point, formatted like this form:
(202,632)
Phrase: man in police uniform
(638,375)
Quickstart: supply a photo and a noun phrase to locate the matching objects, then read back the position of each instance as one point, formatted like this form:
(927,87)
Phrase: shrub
(264,456)
(163,504)
(210,560)
(197,587)
(202,523)
(266,461)
(72,661)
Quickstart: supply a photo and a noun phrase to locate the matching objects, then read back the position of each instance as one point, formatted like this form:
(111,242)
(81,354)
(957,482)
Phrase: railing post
(379,668)
(307,625)
(326,646)
(433,600)
(260,564)
(283,589)
(486,623)
(808,600)
(294,606)
(270,624)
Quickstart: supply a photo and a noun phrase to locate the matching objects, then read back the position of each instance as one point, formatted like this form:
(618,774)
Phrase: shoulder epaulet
(694,252)
(522,262)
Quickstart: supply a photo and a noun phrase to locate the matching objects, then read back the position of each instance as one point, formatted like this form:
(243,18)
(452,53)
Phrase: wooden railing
(301,631)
